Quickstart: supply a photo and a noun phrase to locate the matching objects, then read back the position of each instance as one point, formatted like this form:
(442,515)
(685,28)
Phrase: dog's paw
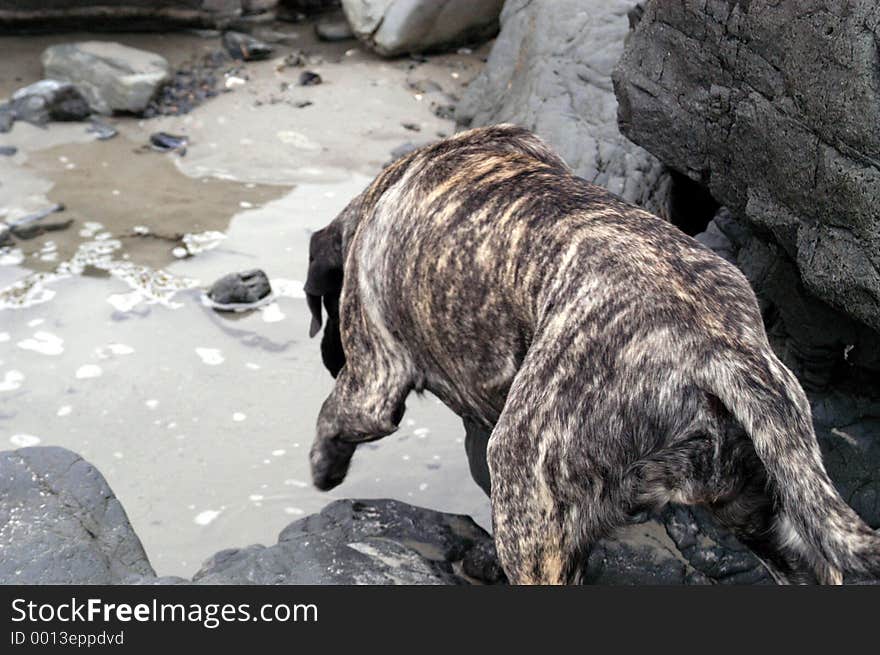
(330,459)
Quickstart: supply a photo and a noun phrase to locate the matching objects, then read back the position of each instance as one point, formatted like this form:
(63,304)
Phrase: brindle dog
(618,364)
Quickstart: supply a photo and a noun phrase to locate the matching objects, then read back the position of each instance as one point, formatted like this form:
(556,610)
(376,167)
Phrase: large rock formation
(550,70)
(61,524)
(775,107)
(43,15)
(395,27)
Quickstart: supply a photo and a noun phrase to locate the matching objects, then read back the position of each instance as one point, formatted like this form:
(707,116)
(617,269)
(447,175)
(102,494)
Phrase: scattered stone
(564,94)
(240,291)
(192,84)
(164,142)
(412,127)
(296,59)
(309,78)
(8,151)
(397,27)
(101,130)
(246,47)
(112,77)
(303,103)
(60,523)
(49,100)
(334,29)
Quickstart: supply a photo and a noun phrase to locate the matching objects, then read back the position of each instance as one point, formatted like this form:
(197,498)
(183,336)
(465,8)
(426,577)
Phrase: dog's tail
(769,403)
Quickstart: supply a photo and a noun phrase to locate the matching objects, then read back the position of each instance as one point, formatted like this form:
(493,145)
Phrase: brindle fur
(618,364)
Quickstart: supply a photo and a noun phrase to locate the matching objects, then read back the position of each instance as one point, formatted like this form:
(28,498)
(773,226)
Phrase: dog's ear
(325,272)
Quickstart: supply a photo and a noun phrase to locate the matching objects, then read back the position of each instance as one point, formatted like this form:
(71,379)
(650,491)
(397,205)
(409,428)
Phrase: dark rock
(61,524)
(239,290)
(355,542)
(8,151)
(49,100)
(164,142)
(246,47)
(336,29)
(191,85)
(550,71)
(755,125)
(309,78)
(481,563)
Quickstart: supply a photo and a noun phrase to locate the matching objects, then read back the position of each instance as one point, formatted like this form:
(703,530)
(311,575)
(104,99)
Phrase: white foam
(11,380)
(238,417)
(210,356)
(272,313)
(104,352)
(4,337)
(288,288)
(125,302)
(44,343)
(152,403)
(64,410)
(88,371)
(206,517)
(293,511)
(278,453)
(24,440)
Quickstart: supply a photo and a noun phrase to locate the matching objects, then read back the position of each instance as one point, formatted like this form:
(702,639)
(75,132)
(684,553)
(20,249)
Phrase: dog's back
(619,363)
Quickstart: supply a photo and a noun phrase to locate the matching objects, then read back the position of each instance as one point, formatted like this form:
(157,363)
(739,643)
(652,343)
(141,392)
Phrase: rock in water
(7,118)
(61,524)
(564,93)
(111,76)
(395,27)
(49,100)
(238,291)
(359,542)
(8,151)
(309,78)
(246,47)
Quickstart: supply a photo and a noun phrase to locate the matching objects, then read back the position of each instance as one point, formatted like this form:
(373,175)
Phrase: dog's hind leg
(551,500)
(476,442)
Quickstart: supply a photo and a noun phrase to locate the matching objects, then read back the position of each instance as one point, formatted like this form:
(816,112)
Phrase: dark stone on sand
(101,130)
(309,78)
(7,118)
(246,47)
(49,100)
(245,288)
(164,142)
(8,151)
(60,523)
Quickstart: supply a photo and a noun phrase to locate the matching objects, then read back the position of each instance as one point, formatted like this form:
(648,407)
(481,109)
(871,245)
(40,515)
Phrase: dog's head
(324,284)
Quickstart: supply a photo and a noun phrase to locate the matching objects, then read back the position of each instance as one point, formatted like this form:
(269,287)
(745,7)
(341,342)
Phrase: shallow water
(201,421)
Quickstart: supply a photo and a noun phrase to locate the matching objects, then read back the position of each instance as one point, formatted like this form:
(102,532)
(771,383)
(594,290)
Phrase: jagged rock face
(775,106)
(61,524)
(550,71)
(396,27)
(41,15)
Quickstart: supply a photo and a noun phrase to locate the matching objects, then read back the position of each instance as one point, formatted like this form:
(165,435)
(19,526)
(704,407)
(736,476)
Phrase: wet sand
(201,422)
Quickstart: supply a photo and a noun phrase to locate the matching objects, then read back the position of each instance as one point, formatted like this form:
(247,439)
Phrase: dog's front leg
(366,404)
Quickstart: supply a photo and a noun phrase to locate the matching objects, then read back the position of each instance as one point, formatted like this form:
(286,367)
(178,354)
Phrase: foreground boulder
(361,542)
(112,77)
(396,27)
(550,71)
(61,524)
(775,107)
